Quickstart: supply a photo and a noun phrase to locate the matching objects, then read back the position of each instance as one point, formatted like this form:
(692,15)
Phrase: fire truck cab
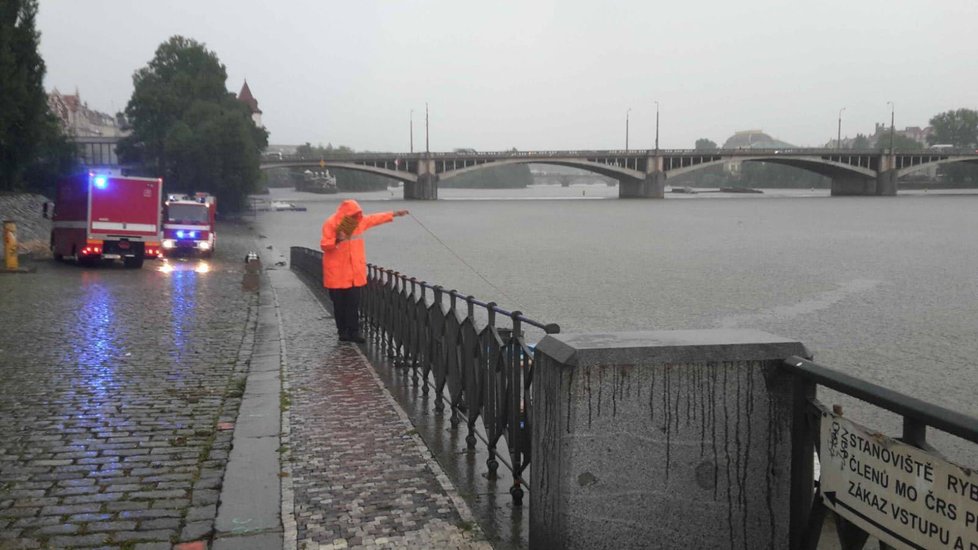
(189,225)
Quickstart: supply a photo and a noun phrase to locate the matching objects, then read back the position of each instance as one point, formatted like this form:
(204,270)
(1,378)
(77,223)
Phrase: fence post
(677,439)
(802,460)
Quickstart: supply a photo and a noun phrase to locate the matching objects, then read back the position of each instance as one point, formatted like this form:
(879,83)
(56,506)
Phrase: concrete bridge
(642,173)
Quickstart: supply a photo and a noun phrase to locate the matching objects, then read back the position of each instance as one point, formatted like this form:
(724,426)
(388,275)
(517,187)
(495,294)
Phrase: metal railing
(595,153)
(808,511)
(472,355)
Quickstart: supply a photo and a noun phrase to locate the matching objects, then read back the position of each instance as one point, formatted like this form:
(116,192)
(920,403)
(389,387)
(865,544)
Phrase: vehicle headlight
(169,243)
(204,245)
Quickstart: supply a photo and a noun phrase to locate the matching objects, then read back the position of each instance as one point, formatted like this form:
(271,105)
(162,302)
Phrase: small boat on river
(739,190)
(317,182)
(282,206)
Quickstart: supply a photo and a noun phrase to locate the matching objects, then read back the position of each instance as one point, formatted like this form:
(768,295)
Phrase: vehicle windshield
(189,213)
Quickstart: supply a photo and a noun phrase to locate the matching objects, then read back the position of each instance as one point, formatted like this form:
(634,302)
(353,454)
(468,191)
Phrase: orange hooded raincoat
(345,262)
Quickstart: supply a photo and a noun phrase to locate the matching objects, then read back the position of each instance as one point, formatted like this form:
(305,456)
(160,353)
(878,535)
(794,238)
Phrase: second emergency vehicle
(189,225)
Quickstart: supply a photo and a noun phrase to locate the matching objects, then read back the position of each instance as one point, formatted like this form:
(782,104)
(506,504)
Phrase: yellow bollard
(10,243)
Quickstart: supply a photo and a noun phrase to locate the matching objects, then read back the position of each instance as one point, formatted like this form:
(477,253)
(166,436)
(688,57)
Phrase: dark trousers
(346,310)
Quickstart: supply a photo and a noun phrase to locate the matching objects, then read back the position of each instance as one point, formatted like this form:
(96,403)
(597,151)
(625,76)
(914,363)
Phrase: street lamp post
(656,127)
(626,128)
(412,130)
(427,150)
(890,103)
(838,138)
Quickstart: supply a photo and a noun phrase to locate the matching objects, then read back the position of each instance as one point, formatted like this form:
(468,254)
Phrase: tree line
(186,127)
(190,130)
(33,149)
(957,128)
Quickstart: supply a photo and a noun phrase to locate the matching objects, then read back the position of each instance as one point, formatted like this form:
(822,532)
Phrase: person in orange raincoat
(345,263)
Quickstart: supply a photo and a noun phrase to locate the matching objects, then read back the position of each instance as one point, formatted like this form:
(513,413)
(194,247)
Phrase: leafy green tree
(33,150)
(960,129)
(704,144)
(189,129)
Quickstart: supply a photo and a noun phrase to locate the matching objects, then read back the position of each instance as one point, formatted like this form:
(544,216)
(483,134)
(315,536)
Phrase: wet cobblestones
(113,385)
(359,475)
(119,389)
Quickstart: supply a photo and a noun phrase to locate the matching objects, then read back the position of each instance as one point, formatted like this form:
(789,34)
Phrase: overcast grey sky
(540,74)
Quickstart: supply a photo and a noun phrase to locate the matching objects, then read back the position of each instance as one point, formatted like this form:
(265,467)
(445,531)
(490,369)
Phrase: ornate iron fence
(473,355)
(808,510)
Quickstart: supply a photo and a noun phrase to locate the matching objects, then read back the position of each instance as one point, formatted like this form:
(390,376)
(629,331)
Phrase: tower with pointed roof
(245,97)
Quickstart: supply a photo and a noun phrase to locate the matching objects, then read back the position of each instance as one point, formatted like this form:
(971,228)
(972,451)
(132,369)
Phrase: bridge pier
(886,184)
(652,186)
(883,185)
(425,189)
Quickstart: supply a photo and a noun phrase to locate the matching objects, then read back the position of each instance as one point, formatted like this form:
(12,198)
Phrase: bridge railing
(808,510)
(639,153)
(473,356)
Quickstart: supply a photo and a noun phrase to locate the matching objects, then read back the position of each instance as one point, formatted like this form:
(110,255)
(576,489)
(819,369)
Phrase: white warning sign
(904,496)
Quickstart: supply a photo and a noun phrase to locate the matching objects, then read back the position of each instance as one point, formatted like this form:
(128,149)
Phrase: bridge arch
(607,170)
(822,167)
(910,169)
(396,175)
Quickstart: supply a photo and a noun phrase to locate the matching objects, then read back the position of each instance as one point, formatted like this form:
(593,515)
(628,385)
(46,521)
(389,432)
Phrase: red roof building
(248,99)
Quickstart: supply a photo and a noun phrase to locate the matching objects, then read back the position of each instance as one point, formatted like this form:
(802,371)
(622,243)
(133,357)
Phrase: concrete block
(666,439)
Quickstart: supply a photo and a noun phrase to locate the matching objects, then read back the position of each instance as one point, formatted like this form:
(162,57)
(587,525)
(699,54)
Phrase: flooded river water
(885,288)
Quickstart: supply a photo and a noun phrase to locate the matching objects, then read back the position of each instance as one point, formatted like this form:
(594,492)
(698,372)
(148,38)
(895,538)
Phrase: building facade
(94,133)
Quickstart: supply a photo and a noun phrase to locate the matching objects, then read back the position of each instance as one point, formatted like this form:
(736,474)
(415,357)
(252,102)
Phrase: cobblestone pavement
(118,391)
(360,475)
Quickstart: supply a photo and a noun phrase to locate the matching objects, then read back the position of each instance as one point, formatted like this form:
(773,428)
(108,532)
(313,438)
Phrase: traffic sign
(902,495)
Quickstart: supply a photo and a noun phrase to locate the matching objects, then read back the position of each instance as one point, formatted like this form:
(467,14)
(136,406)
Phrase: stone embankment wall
(33,230)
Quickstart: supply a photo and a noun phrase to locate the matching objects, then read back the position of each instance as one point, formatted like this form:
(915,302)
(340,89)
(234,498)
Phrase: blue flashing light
(193,234)
(180,234)
(101,182)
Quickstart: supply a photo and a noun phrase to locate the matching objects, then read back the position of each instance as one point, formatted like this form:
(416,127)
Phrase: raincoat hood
(349,207)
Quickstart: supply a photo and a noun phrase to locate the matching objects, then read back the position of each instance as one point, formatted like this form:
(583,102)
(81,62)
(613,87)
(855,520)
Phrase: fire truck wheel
(133,263)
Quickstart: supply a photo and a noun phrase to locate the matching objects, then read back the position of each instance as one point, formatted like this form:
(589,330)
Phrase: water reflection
(197,266)
(98,339)
(183,299)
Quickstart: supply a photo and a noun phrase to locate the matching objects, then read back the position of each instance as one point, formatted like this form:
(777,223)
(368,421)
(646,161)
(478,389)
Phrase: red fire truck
(189,225)
(106,217)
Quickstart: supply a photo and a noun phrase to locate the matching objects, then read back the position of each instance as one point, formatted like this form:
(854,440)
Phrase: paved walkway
(359,475)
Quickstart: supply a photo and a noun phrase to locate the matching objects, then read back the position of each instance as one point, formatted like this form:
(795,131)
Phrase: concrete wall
(665,439)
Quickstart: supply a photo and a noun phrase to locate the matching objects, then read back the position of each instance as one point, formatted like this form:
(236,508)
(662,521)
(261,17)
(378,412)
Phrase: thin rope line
(474,270)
